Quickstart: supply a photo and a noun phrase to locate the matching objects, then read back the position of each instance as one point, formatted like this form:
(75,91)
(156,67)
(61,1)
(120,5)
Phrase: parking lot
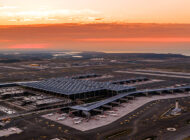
(10,131)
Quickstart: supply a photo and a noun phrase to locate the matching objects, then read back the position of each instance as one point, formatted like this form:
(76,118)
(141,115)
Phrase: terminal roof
(68,86)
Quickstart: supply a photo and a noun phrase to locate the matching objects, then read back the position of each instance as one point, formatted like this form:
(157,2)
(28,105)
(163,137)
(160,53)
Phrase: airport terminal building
(77,89)
(79,96)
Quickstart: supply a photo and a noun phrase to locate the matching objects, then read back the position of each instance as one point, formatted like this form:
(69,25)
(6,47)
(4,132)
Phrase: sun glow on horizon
(95,25)
(29,46)
(137,39)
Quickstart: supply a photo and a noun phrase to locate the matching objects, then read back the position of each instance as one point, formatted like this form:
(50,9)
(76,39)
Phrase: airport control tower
(177,109)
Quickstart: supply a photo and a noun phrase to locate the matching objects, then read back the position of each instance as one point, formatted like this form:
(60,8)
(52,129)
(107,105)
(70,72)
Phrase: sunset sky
(99,25)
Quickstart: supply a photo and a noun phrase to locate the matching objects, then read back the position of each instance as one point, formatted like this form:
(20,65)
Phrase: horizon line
(103,23)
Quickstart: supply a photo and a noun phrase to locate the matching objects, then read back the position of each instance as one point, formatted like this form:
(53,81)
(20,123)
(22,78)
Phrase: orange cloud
(147,39)
(5,40)
(95,36)
(29,46)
